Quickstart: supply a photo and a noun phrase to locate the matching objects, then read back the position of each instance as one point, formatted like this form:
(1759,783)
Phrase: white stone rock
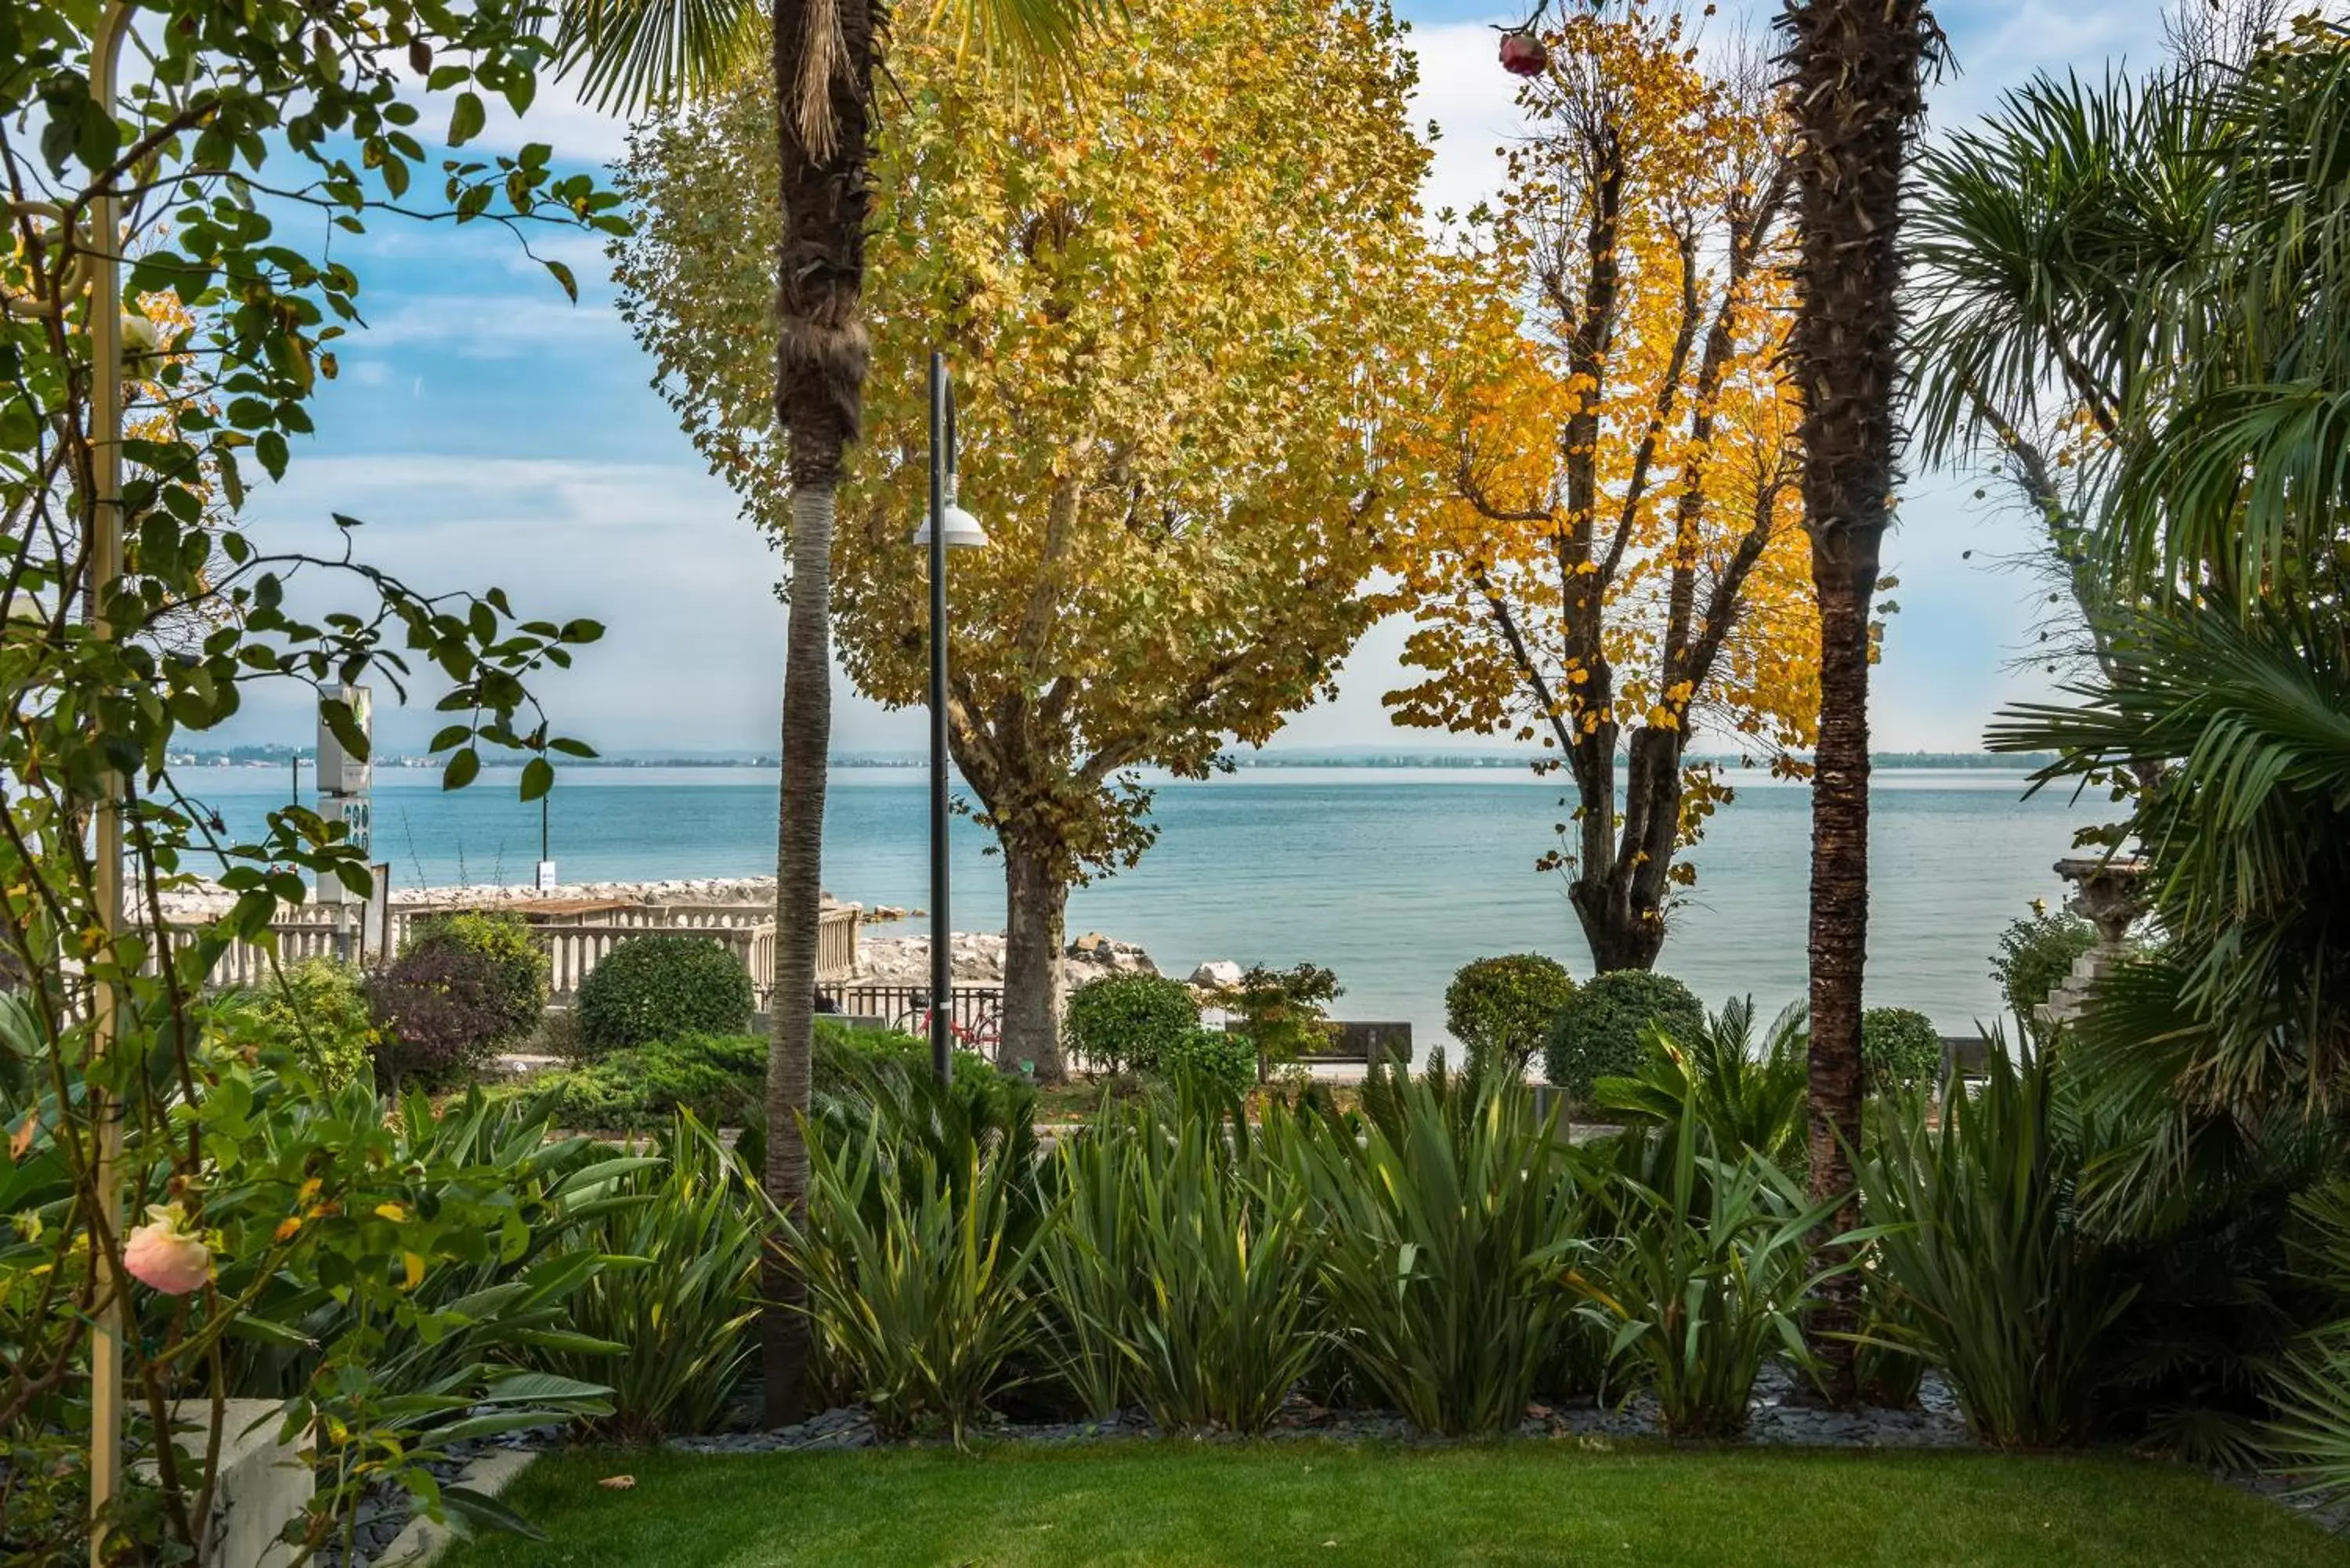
(1216,974)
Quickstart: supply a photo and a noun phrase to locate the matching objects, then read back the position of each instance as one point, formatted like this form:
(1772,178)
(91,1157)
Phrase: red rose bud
(1522,55)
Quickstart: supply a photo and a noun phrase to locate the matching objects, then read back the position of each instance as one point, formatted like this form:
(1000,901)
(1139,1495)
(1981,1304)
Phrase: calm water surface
(1392,878)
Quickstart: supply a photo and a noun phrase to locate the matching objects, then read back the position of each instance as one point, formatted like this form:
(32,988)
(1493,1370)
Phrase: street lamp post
(947,524)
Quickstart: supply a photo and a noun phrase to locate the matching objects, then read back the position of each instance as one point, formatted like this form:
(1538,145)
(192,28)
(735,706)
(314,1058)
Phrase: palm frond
(634,57)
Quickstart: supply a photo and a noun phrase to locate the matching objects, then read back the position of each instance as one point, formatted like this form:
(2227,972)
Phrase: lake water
(1393,877)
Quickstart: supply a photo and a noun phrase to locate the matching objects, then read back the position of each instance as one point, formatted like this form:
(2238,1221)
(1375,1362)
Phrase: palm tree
(824,55)
(1856,71)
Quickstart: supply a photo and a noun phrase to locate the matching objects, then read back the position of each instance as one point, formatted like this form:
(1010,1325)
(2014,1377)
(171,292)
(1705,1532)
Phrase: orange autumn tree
(1620,565)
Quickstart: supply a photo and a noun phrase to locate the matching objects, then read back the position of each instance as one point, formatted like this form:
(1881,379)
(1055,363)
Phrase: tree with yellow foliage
(1621,564)
(1181,313)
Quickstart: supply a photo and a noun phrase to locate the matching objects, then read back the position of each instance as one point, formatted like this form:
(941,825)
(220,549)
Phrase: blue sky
(489,431)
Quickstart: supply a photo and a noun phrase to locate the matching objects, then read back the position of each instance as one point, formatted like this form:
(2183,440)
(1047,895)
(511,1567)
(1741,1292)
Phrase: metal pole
(941,926)
(105,569)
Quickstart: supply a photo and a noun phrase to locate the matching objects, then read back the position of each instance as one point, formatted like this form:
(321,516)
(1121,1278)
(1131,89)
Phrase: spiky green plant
(1974,1225)
(1706,1276)
(1442,1225)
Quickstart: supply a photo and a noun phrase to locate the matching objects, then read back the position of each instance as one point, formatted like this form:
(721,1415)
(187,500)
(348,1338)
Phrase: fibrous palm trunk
(1857,70)
(824,58)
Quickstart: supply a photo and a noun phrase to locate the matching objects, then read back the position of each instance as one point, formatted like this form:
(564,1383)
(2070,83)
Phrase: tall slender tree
(1856,71)
(824,56)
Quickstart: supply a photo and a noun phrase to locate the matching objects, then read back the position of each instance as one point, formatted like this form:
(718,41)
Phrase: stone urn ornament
(2108,892)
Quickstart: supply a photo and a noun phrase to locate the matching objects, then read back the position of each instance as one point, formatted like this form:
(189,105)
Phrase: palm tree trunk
(800,896)
(1855,68)
(1035,906)
(823,135)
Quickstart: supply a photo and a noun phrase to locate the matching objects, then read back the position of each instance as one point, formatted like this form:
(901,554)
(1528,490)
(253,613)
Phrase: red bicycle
(982,1034)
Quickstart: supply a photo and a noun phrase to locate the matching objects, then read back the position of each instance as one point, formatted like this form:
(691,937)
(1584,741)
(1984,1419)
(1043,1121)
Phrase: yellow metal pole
(105,567)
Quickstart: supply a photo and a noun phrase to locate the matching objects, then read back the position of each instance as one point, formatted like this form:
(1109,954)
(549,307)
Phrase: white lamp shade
(962,530)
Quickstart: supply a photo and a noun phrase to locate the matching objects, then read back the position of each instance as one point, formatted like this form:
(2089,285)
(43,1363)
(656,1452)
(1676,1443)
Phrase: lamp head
(962,530)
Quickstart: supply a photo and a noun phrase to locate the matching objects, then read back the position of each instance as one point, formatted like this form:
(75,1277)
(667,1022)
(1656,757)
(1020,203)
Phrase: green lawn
(1313,1503)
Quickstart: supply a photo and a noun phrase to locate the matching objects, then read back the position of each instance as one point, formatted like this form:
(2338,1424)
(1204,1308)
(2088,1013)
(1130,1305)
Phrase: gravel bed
(385,1511)
(1773,1422)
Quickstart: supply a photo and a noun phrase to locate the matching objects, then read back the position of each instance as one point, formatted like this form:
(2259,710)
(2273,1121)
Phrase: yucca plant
(1706,1277)
(1093,1297)
(1441,1225)
(1974,1224)
(1212,1285)
(678,1290)
(916,1279)
(1745,1100)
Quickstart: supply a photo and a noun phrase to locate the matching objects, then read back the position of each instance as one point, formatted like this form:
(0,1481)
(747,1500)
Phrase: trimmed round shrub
(1212,1059)
(504,942)
(437,1014)
(1128,1023)
(1899,1048)
(661,987)
(2033,957)
(1501,1008)
(1597,1034)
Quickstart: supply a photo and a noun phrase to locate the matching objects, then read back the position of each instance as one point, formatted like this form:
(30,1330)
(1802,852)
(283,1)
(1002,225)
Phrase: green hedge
(1899,1048)
(319,1016)
(1597,1034)
(1128,1023)
(664,987)
(1501,1008)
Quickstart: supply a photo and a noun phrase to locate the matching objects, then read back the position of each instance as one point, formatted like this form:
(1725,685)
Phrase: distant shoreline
(1465,761)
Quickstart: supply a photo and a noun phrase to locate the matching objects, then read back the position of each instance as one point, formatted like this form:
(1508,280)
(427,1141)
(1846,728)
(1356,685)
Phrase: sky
(487,430)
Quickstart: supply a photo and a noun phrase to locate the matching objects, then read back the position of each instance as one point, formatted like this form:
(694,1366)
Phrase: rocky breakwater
(978,960)
(745,891)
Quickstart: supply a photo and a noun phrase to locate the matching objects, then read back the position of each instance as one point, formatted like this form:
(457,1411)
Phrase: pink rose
(164,1254)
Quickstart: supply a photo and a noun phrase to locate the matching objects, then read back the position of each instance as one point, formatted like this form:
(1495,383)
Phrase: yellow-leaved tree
(1620,567)
(1185,316)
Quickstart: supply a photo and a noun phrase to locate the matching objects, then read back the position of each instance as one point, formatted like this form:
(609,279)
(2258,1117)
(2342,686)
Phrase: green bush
(2033,957)
(1285,1011)
(504,942)
(316,1010)
(717,1079)
(1215,1060)
(1501,1008)
(660,987)
(1597,1034)
(1125,1022)
(1899,1049)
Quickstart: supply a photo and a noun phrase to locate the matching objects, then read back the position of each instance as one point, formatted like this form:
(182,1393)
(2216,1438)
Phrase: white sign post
(344,796)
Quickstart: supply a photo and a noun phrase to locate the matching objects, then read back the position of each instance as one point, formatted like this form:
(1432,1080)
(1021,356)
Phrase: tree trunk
(799,897)
(1036,906)
(1856,71)
(823,141)
(1845,577)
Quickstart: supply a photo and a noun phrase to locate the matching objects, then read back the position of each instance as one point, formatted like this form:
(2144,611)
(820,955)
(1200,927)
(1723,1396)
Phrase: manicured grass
(1177,1504)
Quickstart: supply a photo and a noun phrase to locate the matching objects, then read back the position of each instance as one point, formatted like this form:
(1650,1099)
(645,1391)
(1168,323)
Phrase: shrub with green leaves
(1900,1049)
(1285,1011)
(1127,1022)
(717,1079)
(1501,1008)
(504,942)
(1597,1034)
(1217,1064)
(662,986)
(2033,957)
(316,1010)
